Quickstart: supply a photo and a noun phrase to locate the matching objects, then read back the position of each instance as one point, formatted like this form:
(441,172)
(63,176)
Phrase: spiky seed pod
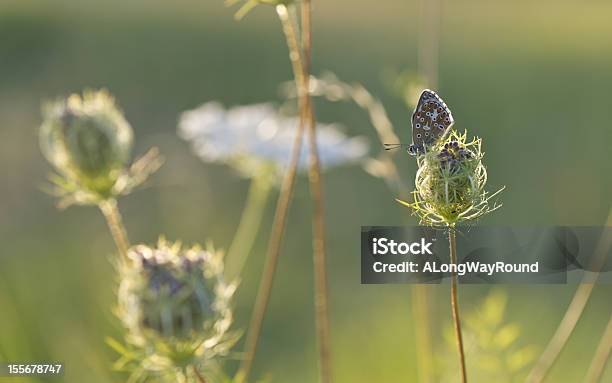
(89,142)
(450,183)
(175,304)
(87,139)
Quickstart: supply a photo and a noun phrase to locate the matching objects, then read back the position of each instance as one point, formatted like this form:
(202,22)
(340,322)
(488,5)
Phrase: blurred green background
(531,77)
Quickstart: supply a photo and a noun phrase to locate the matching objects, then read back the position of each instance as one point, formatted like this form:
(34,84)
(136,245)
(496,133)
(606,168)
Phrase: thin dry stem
(455,304)
(333,89)
(115,224)
(318,222)
(198,375)
(575,309)
(282,209)
(562,334)
(601,358)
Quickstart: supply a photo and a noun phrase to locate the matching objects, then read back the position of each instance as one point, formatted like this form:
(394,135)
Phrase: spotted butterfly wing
(431,121)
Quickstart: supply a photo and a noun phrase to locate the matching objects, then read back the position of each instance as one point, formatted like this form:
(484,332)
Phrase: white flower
(256,137)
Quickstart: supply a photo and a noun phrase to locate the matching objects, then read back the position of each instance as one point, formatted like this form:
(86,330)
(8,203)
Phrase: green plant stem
(574,311)
(282,208)
(455,303)
(601,358)
(318,221)
(250,221)
(115,224)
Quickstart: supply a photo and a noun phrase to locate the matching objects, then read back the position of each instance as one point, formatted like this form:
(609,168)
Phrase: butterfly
(431,122)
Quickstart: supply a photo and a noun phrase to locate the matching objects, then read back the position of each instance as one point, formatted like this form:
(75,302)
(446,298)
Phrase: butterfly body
(431,121)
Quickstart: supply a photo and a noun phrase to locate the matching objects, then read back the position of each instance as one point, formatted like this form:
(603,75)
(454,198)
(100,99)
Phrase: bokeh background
(531,77)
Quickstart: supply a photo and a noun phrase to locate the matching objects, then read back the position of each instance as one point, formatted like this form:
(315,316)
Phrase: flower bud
(449,179)
(175,296)
(450,183)
(87,139)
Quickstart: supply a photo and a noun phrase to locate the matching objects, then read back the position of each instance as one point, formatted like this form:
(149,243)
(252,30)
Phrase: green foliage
(496,352)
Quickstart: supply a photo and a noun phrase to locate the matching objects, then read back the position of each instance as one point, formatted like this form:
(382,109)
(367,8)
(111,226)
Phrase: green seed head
(176,297)
(87,139)
(450,183)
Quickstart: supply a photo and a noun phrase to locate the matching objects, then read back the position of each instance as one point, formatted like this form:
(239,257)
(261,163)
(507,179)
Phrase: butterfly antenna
(394,146)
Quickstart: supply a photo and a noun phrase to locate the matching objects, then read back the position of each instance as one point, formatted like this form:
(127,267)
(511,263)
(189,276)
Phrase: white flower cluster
(256,137)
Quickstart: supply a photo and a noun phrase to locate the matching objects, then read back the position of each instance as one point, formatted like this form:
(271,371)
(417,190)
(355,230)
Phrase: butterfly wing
(431,121)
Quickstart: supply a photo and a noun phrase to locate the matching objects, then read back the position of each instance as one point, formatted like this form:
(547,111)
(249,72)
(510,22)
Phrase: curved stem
(574,310)
(198,375)
(455,303)
(115,224)
(282,208)
(329,86)
(562,334)
(318,220)
(295,55)
(601,358)
(243,241)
